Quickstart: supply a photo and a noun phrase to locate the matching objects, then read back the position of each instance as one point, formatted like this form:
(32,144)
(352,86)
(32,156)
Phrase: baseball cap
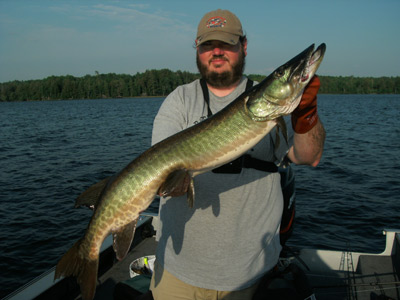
(221,25)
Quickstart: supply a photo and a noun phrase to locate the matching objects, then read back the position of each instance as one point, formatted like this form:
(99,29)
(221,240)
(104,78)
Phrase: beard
(224,79)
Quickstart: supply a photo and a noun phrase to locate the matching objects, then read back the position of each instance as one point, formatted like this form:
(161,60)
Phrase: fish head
(280,93)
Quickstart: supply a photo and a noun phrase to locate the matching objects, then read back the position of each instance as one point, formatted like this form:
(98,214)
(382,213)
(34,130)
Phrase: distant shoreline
(157,83)
(158,97)
(91,99)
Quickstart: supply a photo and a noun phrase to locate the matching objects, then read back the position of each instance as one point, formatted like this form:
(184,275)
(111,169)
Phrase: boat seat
(379,273)
(372,264)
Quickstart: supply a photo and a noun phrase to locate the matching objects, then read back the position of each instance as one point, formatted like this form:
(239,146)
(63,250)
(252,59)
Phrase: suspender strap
(206,93)
(249,84)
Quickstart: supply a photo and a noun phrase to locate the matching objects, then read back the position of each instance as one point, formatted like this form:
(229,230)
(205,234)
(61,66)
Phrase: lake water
(51,151)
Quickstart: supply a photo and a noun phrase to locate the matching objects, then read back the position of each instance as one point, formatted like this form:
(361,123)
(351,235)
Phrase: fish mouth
(303,66)
(313,60)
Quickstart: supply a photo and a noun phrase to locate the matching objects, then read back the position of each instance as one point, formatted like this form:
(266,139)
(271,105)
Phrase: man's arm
(308,147)
(309,136)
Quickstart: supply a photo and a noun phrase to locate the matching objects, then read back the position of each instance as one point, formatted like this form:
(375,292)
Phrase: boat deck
(330,274)
(358,276)
(375,278)
(355,275)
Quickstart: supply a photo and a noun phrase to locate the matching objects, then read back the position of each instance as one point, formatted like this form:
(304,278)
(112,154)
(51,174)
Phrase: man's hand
(309,137)
(305,116)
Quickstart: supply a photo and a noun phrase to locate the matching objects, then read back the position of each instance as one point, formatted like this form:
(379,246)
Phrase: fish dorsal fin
(122,239)
(91,196)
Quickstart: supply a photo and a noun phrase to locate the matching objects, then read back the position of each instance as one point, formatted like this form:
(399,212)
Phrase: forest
(160,83)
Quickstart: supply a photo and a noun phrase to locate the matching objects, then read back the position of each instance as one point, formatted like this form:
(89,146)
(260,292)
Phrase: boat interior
(322,274)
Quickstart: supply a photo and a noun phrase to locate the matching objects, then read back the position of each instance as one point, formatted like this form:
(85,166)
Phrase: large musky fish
(222,138)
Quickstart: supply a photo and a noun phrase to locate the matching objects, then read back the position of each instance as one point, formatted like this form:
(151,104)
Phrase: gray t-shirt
(230,238)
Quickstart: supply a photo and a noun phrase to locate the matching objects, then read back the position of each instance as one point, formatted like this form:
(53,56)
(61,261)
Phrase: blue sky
(43,38)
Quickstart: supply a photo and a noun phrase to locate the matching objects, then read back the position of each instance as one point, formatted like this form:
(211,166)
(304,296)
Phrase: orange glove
(305,116)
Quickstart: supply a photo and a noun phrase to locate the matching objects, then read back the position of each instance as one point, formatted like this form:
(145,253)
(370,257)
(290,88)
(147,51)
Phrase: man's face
(221,64)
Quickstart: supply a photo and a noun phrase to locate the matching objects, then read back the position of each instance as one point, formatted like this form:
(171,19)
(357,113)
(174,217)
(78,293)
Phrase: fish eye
(279,73)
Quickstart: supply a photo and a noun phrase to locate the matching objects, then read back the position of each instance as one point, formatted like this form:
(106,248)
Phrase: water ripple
(51,151)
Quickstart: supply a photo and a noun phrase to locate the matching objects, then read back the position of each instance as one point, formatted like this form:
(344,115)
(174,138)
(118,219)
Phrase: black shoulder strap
(206,93)
(249,84)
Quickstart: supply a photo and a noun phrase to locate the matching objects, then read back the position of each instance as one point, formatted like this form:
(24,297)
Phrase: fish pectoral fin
(175,184)
(91,196)
(122,238)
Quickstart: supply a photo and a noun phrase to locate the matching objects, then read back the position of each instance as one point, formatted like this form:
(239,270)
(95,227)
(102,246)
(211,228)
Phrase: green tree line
(149,83)
(161,83)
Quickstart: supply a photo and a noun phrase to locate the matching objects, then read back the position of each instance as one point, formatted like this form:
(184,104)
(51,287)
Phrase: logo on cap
(216,22)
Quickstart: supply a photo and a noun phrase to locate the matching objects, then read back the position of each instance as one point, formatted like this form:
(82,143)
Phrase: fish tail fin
(73,263)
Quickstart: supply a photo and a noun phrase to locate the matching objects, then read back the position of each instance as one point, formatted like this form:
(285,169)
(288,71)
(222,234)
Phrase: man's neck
(223,91)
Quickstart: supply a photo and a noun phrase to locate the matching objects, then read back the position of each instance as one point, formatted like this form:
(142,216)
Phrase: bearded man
(229,240)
